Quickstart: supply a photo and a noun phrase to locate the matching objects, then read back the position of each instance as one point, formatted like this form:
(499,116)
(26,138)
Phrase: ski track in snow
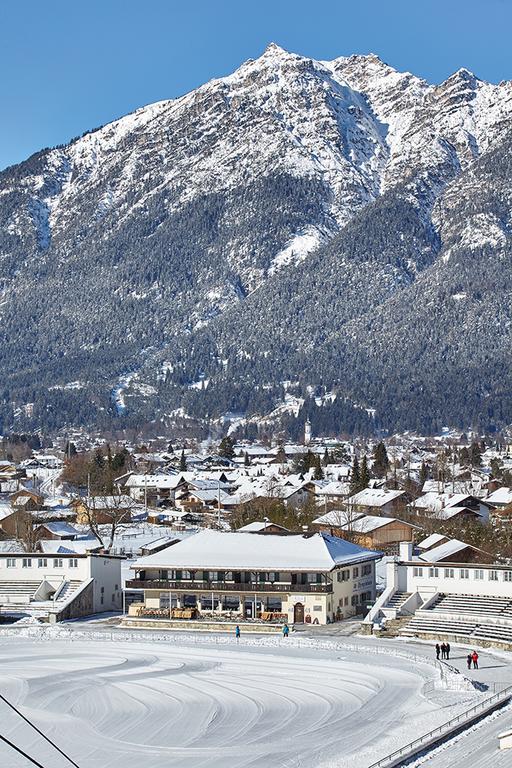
(134,703)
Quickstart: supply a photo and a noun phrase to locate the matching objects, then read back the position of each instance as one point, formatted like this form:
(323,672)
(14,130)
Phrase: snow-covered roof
(258,525)
(61,528)
(431,541)
(450,547)
(335,488)
(338,517)
(448,512)
(374,497)
(436,501)
(5,510)
(78,547)
(212,550)
(502,496)
(346,520)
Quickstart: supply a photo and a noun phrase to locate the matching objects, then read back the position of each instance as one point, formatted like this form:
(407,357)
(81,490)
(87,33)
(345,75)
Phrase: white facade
(28,579)
(316,578)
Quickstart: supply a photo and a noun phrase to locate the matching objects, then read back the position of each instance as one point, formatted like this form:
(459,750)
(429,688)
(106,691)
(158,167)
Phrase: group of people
(443,650)
(286,631)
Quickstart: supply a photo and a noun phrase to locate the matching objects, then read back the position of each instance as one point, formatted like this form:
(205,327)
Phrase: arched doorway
(298,613)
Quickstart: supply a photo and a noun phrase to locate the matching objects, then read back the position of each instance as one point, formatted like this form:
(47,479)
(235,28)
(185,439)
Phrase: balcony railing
(227,586)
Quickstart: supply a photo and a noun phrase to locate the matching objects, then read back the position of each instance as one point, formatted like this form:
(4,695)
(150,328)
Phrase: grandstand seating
(493,607)
(420,623)
(473,616)
(14,588)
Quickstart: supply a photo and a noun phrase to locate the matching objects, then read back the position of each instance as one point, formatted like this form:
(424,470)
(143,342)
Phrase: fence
(437,734)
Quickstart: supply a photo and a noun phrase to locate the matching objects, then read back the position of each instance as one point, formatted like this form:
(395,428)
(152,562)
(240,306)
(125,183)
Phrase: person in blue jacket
(237,633)
(286,630)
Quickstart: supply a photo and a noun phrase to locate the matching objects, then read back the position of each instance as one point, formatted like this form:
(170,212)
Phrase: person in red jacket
(474,656)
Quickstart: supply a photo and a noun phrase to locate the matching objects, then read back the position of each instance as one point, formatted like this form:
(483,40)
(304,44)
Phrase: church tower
(307,432)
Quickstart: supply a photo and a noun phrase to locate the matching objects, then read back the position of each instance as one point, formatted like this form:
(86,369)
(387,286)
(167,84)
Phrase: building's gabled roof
(431,541)
(259,525)
(500,496)
(61,528)
(214,550)
(374,497)
(449,548)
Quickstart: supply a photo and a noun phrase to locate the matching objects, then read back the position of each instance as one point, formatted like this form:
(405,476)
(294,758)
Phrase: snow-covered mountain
(197,235)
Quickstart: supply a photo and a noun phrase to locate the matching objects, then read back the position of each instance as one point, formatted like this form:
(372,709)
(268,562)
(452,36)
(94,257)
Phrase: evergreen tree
(327,458)
(247,461)
(423,474)
(318,475)
(183,462)
(227,447)
(365,474)
(380,460)
(355,477)
(475,455)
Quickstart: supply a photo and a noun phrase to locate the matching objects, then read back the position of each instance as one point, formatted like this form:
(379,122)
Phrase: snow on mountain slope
(166,220)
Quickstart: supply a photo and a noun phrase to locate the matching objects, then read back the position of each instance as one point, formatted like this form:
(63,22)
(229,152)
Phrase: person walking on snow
(286,630)
(474,656)
(438,651)
(443,651)
(237,633)
(469,659)
(448,649)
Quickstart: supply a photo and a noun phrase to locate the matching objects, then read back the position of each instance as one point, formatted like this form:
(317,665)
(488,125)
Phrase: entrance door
(298,613)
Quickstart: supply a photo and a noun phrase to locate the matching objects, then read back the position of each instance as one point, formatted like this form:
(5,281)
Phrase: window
(317,607)
(73,563)
(346,601)
(343,575)
(433,573)
(116,588)
(464,573)
(355,573)
(274,576)
(417,572)
(27,562)
(11,562)
(449,573)
(507,575)
(57,562)
(366,570)
(493,575)
(479,574)
(42,562)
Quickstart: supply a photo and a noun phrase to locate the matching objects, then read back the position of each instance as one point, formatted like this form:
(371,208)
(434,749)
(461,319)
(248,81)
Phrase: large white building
(313,578)
(59,586)
(465,601)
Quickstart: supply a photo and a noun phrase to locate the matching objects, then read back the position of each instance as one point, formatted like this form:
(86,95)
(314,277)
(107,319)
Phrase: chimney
(405,552)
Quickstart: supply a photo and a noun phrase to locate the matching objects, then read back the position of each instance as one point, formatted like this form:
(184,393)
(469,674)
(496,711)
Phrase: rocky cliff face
(284,223)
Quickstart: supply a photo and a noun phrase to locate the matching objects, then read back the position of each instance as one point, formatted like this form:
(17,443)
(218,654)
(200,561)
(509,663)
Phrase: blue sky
(68,66)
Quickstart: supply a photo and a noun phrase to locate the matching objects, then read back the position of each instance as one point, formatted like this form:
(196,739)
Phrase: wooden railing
(227,586)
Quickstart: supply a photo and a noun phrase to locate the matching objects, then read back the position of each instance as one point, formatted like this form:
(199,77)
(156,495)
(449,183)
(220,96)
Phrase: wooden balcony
(227,586)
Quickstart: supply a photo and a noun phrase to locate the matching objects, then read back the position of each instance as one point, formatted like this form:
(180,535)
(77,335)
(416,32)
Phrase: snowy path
(131,704)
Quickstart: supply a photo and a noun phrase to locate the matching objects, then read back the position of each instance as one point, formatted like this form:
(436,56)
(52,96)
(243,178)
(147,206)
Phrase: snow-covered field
(120,704)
